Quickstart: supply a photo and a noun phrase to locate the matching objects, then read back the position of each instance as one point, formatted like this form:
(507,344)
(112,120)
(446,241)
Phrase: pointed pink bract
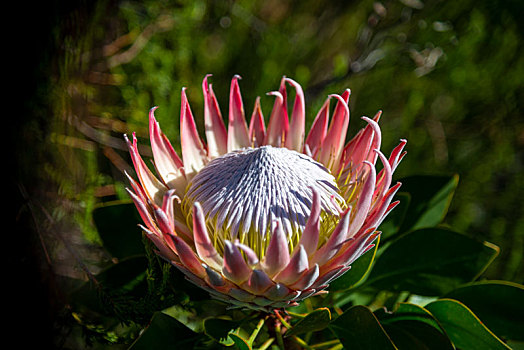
(216,133)
(193,152)
(237,134)
(277,254)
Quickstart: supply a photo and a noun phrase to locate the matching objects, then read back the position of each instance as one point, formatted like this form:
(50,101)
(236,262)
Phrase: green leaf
(314,321)
(463,326)
(240,342)
(195,313)
(219,329)
(358,329)
(430,200)
(357,273)
(516,345)
(407,312)
(414,335)
(164,332)
(117,225)
(430,262)
(412,327)
(499,304)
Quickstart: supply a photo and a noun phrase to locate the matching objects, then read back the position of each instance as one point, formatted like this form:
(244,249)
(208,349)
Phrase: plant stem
(337,347)
(302,343)
(257,329)
(284,322)
(278,332)
(293,314)
(325,344)
(266,344)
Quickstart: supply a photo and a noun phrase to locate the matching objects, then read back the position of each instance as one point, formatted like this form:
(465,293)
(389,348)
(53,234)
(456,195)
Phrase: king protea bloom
(264,217)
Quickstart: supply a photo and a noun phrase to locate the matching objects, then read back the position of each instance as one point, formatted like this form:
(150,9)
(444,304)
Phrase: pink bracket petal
(216,133)
(259,282)
(336,135)
(188,258)
(193,151)
(277,254)
(307,279)
(234,267)
(318,131)
(361,210)
(257,128)
(278,122)
(309,238)
(295,137)
(237,135)
(295,268)
(397,154)
(167,162)
(204,247)
(154,189)
(335,241)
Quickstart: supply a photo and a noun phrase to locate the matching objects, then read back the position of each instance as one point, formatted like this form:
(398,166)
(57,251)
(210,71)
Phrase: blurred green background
(448,76)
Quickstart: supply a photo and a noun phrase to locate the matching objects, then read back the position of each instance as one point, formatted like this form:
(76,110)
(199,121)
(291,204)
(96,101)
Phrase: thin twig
(162,24)
(255,332)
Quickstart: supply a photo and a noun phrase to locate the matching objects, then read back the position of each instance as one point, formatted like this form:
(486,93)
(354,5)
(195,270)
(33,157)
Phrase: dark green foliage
(430,262)
(463,327)
(164,332)
(429,200)
(497,303)
(314,321)
(117,227)
(412,327)
(358,328)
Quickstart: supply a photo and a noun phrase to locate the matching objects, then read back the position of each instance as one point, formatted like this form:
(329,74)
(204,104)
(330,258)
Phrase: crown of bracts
(263,218)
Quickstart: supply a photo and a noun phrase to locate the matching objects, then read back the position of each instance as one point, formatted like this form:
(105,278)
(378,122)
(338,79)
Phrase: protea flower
(263,218)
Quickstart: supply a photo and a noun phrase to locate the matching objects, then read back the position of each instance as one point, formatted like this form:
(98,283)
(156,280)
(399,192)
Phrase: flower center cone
(243,194)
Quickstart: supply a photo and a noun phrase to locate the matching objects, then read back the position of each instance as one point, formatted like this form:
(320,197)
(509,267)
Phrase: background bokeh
(448,76)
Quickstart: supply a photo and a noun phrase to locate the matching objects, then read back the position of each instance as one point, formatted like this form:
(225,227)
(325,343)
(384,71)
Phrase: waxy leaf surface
(430,262)
(499,304)
(165,332)
(463,327)
(314,321)
(411,326)
(116,225)
(430,199)
(358,329)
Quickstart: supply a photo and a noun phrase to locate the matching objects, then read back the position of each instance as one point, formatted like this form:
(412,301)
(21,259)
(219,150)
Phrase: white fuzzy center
(246,191)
